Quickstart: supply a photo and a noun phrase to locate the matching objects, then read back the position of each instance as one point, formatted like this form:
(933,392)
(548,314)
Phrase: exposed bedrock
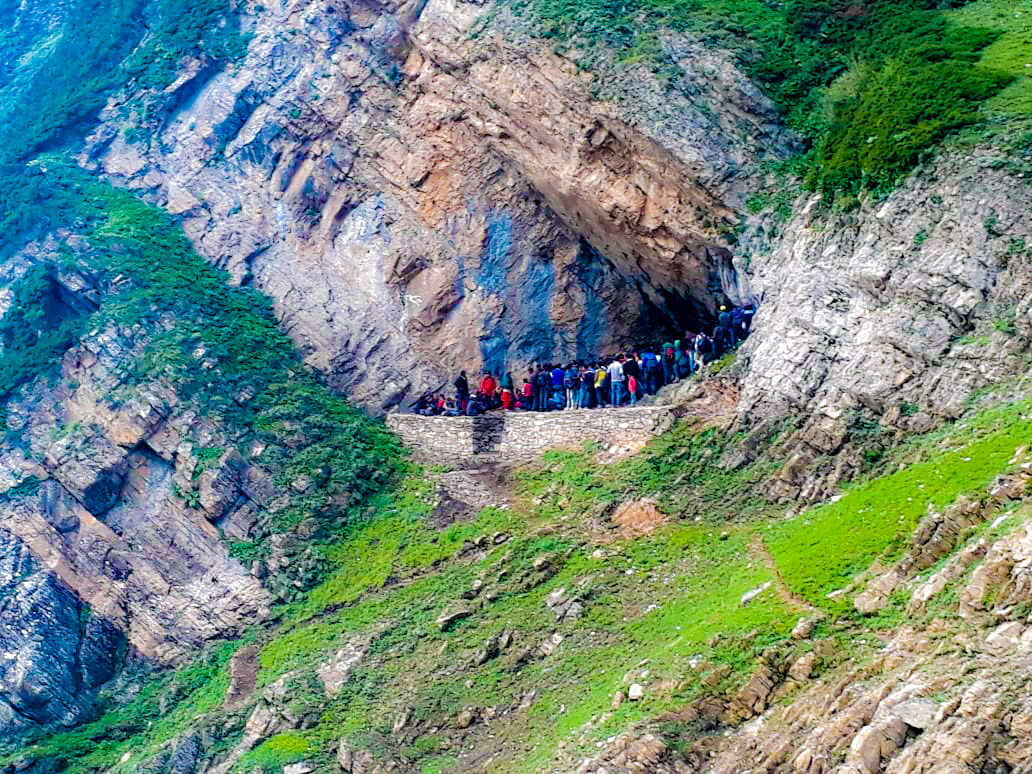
(102,557)
(901,309)
(418,193)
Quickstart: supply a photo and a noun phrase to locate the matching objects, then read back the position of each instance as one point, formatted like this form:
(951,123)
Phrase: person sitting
(452,408)
(556,401)
(487,384)
(422,406)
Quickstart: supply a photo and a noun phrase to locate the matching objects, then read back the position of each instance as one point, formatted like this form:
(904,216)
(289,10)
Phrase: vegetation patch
(822,549)
(222,349)
(57,76)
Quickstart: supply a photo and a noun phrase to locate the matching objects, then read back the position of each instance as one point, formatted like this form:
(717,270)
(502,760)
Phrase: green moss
(276,752)
(35,331)
(95,48)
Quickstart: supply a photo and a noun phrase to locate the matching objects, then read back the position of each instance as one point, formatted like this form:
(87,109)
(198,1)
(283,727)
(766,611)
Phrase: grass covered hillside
(873,85)
(509,639)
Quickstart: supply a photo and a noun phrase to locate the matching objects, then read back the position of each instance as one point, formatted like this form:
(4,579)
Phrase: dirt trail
(759,551)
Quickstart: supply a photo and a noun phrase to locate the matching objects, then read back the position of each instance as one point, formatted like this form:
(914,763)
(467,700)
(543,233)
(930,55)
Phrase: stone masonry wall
(517,435)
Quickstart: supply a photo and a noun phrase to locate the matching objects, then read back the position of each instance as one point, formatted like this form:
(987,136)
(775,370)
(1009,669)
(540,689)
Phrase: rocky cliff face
(421,187)
(420,191)
(103,558)
(900,309)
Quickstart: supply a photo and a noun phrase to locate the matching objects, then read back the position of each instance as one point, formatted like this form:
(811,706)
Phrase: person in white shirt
(616,380)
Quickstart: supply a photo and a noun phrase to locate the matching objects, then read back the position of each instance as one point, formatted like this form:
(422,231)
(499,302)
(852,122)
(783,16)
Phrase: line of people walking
(613,381)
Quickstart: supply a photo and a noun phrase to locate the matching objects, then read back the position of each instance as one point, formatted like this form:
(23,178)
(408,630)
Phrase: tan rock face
(418,198)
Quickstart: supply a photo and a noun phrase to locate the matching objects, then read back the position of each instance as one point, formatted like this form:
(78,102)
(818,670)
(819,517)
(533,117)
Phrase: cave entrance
(663,314)
(672,314)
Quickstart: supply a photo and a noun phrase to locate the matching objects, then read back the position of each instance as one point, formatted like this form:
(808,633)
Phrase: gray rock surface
(55,653)
(899,308)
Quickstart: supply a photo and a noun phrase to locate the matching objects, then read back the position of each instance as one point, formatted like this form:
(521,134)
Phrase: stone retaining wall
(518,435)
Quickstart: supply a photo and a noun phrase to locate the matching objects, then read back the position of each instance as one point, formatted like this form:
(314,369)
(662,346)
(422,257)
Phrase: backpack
(669,355)
(683,366)
(570,380)
(543,379)
(704,345)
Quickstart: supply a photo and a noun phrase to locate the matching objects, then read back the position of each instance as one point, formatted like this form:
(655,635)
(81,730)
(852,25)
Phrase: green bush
(35,331)
(98,47)
(898,112)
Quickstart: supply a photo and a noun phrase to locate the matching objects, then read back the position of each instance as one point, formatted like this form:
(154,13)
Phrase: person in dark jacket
(631,368)
(542,382)
(721,341)
(668,360)
(724,318)
(587,389)
(462,389)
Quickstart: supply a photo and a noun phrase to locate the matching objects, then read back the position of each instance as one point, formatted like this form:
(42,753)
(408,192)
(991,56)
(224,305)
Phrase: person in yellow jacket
(600,380)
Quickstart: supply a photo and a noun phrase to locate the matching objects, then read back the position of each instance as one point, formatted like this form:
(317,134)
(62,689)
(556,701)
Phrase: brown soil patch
(637,518)
(243,676)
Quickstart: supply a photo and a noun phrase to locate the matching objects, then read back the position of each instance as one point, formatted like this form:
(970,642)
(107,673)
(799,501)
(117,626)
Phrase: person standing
(631,368)
(587,385)
(669,374)
(600,380)
(487,385)
(724,317)
(462,389)
(508,391)
(616,381)
(632,389)
(541,382)
(571,382)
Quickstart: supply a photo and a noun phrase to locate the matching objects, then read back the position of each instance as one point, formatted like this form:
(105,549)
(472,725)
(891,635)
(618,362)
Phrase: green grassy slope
(663,610)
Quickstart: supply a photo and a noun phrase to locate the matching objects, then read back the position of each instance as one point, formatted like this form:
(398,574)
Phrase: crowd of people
(612,381)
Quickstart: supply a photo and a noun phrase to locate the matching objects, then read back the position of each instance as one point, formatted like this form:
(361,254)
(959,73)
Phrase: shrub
(35,331)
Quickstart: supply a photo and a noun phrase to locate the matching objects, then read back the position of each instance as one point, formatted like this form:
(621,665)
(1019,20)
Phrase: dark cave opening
(675,315)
